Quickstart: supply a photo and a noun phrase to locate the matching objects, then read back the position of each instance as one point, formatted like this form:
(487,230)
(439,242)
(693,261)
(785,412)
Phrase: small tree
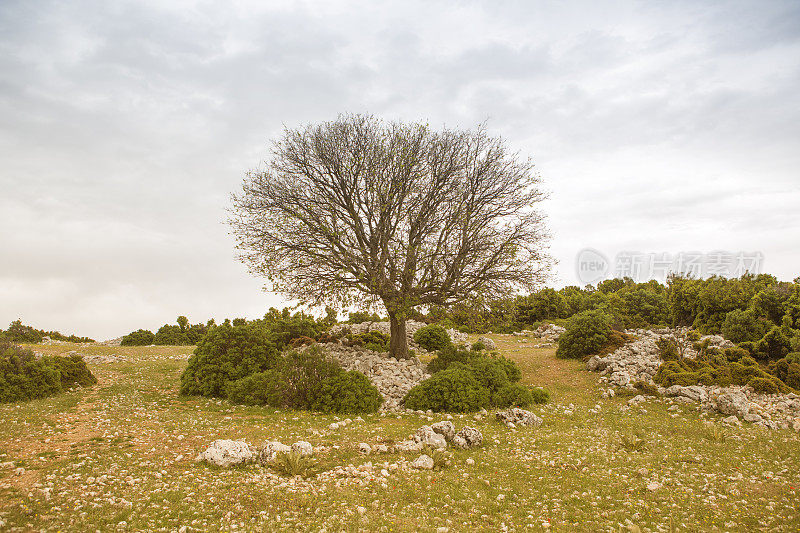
(393,213)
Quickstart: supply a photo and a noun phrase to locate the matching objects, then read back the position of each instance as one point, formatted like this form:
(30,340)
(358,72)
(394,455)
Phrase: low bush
(539,395)
(228,353)
(586,334)
(714,368)
(457,370)
(512,395)
(454,389)
(347,393)
(371,340)
(743,325)
(307,380)
(667,349)
(432,338)
(140,337)
(24,377)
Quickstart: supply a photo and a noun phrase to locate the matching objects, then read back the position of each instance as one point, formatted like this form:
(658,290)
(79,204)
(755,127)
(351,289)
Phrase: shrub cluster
(24,377)
(307,380)
(586,333)
(18,332)
(432,338)
(466,380)
(243,363)
(723,368)
(371,340)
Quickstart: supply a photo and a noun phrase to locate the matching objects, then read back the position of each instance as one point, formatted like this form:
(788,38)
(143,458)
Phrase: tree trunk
(398,345)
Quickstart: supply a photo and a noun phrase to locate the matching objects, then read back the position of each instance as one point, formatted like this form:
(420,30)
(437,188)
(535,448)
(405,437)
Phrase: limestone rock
(226,453)
(733,403)
(519,417)
(423,462)
(303,448)
(468,437)
(445,428)
(489,343)
(428,437)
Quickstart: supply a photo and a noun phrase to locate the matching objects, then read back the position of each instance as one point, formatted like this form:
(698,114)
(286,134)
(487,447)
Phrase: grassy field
(120,456)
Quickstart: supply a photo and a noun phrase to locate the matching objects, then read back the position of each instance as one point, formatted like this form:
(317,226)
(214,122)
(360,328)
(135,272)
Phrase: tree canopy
(362,210)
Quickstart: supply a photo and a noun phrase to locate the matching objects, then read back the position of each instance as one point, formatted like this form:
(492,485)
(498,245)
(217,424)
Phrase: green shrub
(371,340)
(765,385)
(735,353)
(512,395)
(347,393)
(667,349)
(140,337)
(539,395)
(262,388)
(490,372)
(586,334)
(449,355)
(742,326)
(24,377)
(228,353)
(168,335)
(307,380)
(432,338)
(774,345)
(454,389)
(20,333)
(478,346)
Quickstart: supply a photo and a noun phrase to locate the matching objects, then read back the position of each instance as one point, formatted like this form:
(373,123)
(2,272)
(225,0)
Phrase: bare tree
(359,208)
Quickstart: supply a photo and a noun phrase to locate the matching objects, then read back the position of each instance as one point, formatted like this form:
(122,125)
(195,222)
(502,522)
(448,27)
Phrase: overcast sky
(124,127)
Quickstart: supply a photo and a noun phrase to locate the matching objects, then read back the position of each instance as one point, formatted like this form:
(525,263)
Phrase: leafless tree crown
(359,208)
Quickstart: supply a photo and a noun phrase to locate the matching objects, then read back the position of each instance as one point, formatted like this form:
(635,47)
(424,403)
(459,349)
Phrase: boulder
(270,450)
(226,453)
(428,437)
(519,417)
(468,437)
(733,403)
(303,448)
(364,448)
(489,343)
(423,462)
(595,364)
(445,428)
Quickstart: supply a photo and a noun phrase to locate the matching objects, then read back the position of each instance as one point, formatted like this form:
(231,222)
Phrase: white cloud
(124,127)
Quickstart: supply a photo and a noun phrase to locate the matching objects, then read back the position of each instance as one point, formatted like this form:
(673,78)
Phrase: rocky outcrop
(392,377)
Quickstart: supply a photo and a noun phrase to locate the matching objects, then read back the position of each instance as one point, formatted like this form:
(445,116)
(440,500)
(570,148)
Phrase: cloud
(125,126)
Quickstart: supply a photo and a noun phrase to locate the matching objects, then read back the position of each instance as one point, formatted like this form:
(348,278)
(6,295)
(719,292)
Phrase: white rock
(518,417)
(445,428)
(733,403)
(364,448)
(468,437)
(227,453)
(408,446)
(423,462)
(303,448)
(428,437)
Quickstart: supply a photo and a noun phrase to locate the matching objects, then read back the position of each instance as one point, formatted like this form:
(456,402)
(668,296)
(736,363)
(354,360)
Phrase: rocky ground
(639,360)
(119,456)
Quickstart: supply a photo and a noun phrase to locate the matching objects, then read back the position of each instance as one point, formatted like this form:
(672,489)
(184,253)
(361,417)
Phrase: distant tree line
(18,332)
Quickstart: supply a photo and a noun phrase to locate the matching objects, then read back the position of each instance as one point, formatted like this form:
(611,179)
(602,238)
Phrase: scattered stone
(423,462)
(226,453)
(445,428)
(408,446)
(470,461)
(303,448)
(364,448)
(731,421)
(468,437)
(518,417)
(654,486)
(428,437)
(489,343)
(381,448)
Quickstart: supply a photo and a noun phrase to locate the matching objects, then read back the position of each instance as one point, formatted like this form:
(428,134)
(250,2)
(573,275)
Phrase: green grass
(581,471)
